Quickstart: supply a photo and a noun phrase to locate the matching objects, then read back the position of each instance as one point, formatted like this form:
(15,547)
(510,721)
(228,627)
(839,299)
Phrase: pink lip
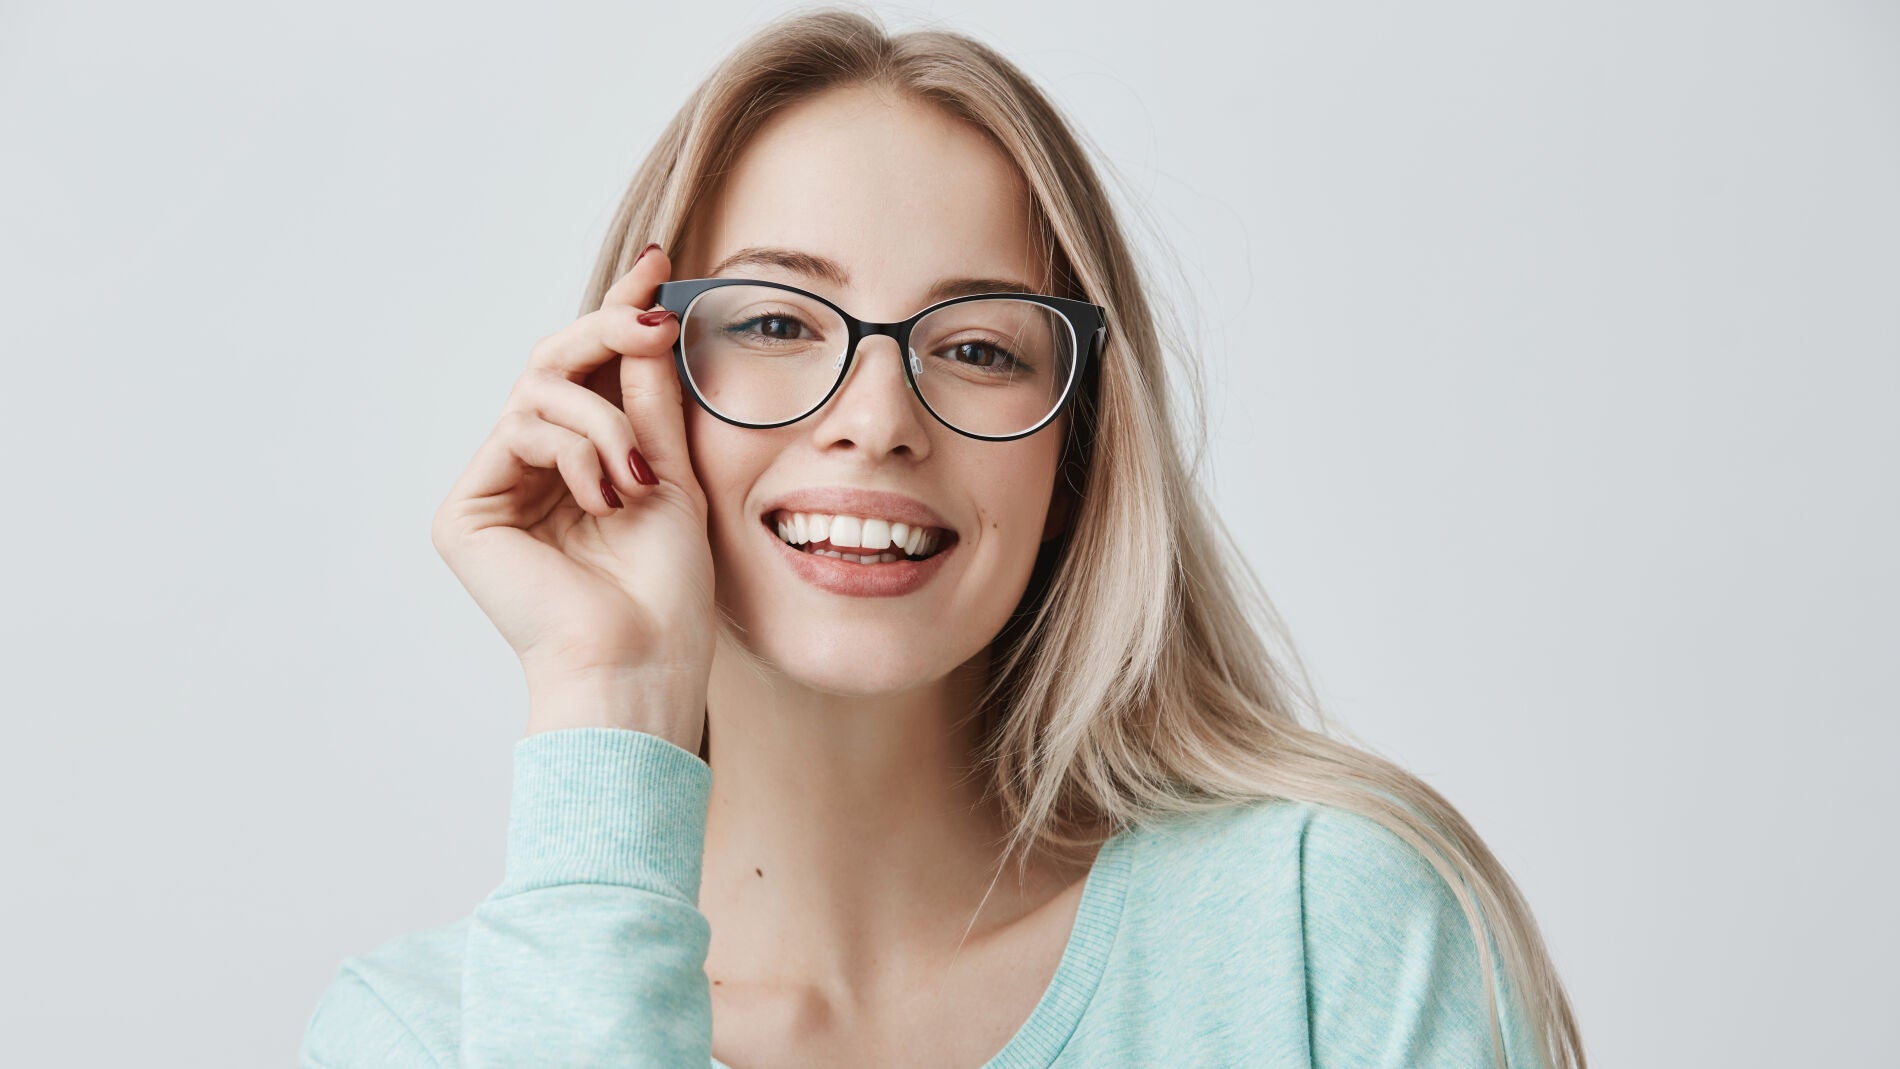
(850,501)
(860,580)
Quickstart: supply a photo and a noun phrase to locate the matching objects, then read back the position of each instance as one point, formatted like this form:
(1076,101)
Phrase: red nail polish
(643,252)
(655,317)
(607,491)
(640,470)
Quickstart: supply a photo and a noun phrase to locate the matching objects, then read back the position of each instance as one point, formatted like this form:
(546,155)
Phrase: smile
(858,556)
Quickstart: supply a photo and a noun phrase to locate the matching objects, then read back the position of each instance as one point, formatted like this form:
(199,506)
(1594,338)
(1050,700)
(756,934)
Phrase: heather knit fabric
(1269,934)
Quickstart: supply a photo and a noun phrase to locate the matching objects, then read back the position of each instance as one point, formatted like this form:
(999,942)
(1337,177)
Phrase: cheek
(717,448)
(729,462)
(1024,485)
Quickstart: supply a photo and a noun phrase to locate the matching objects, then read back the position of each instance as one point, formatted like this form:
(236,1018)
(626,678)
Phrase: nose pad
(908,363)
(916,366)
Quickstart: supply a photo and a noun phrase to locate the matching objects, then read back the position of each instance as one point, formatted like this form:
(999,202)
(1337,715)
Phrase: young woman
(856,483)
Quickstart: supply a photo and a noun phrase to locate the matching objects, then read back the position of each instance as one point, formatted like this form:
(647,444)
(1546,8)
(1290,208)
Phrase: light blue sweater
(1269,934)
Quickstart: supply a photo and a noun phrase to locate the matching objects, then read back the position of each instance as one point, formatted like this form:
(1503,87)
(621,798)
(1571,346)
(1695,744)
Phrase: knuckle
(442,532)
(580,451)
(514,423)
(531,382)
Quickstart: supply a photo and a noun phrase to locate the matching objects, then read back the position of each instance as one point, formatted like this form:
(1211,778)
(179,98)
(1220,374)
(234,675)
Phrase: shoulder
(398,1004)
(1326,930)
(1286,878)
(1342,877)
(1391,962)
(1354,869)
(1333,858)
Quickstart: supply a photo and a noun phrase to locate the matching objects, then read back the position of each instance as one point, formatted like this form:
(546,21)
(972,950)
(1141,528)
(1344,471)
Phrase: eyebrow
(824,269)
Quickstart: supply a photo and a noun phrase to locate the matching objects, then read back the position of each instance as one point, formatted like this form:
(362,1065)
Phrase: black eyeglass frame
(1085,321)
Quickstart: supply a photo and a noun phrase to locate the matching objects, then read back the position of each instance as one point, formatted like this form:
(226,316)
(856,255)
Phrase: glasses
(994,366)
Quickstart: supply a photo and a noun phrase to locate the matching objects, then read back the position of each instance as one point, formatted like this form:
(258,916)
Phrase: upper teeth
(869,533)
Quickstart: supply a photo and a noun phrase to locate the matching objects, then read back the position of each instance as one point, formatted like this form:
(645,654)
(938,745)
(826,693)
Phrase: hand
(609,608)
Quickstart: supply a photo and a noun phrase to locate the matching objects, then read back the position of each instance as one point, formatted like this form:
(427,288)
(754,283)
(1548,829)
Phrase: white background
(1553,357)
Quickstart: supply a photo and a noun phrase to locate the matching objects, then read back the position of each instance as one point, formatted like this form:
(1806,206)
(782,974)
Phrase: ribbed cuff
(606,805)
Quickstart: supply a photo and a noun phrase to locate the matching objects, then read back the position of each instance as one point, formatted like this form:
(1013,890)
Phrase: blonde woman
(895,697)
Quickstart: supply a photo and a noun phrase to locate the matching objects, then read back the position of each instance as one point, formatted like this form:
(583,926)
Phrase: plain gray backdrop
(1553,358)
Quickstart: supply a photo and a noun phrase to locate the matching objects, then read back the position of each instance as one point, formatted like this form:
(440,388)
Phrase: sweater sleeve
(591,952)
(1392,969)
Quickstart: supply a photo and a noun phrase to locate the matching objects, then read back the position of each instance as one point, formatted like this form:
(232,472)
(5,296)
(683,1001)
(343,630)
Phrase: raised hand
(580,528)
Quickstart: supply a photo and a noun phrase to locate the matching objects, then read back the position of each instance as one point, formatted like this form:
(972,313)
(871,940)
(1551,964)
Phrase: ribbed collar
(1098,919)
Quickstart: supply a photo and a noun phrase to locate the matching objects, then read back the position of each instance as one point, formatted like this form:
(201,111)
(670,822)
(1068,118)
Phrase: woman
(939,601)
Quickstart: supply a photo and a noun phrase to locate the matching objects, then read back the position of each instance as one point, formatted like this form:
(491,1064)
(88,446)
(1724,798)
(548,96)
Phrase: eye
(979,354)
(771,325)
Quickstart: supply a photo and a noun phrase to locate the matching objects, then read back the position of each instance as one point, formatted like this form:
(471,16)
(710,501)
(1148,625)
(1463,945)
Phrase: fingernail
(655,317)
(607,491)
(643,252)
(640,470)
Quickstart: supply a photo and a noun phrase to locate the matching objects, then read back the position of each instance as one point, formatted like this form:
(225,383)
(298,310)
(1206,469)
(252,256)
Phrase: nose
(874,406)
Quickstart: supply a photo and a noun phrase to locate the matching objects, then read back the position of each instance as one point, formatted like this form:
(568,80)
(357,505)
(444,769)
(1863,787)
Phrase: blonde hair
(1136,678)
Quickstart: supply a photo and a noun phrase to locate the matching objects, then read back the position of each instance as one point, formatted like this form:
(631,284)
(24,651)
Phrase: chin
(855,665)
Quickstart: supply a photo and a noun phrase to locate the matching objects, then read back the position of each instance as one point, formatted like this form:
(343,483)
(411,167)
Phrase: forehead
(900,192)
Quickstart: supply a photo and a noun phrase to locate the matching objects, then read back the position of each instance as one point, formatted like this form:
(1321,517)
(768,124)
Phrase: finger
(580,467)
(522,444)
(634,289)
(581,410)
(649,387)
(589,343)
(584,344)
(651,395)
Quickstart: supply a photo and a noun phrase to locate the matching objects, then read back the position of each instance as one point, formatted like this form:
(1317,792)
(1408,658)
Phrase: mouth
(867,541)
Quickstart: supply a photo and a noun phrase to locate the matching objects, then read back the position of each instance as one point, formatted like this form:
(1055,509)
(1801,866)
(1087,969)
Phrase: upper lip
(850,501)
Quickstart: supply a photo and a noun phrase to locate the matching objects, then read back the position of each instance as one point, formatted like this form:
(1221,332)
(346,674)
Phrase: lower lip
(891,580)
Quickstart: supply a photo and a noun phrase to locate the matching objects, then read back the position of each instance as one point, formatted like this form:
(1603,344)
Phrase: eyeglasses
(994,366)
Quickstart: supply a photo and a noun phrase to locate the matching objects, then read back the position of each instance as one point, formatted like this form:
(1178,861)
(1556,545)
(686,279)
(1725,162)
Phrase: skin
(847,850)
(851,872)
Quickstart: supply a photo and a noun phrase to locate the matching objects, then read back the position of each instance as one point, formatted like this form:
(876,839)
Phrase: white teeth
(881,558)
(856,532)
(846,530)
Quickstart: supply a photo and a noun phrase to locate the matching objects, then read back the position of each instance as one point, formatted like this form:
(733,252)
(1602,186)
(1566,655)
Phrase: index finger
(583,348)
(637,287)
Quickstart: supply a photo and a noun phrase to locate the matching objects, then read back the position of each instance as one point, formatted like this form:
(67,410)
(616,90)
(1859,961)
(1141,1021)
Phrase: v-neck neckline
(1098,919)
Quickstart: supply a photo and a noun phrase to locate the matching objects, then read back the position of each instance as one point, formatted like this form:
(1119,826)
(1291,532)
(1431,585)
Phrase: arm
(1393,977)
(592,951)
(353,1026)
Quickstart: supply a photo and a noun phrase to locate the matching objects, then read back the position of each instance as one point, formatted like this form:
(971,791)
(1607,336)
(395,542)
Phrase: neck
(848,838)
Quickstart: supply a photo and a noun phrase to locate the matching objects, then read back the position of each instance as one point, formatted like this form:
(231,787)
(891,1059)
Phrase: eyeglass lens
(995,366)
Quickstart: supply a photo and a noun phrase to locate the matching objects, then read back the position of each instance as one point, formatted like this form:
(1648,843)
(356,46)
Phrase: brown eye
(774,327)
(979,354)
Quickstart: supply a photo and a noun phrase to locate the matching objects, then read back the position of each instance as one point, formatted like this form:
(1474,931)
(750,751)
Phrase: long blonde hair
(1137,678)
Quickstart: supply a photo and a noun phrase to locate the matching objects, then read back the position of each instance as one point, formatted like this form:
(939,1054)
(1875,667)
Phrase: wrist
(665,702)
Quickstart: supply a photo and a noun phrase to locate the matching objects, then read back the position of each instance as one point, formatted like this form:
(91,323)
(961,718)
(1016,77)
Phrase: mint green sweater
(1267,934)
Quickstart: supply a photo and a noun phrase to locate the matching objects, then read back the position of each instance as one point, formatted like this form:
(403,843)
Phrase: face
(900,196)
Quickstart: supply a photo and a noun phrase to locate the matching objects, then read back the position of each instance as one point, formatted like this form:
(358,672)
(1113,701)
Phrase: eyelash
(1008,361)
